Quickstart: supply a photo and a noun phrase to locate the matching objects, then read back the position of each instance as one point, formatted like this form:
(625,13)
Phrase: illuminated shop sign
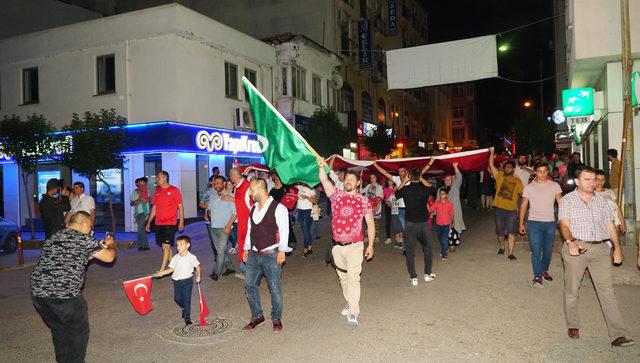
(223,141)
(58,147)
(577,102)
(169,136)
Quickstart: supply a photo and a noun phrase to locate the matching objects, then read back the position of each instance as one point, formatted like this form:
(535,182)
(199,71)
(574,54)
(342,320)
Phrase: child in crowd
(394,221)
(182,266)
(443,209)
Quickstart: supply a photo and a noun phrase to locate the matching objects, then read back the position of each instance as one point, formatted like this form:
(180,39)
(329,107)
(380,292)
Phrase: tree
(27,142)
(326,134)
(533,134)
(379,143)
(98,141)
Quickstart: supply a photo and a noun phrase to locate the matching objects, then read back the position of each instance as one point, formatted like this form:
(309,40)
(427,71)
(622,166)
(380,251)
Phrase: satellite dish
(336,81)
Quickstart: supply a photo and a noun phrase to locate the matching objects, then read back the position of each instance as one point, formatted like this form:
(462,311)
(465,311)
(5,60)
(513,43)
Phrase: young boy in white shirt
(182,266)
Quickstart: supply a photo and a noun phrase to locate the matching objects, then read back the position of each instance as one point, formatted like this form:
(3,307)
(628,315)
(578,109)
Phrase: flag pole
(282,119)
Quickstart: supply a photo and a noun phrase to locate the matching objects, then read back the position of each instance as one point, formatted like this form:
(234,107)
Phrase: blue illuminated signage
(169,136)
(364,44)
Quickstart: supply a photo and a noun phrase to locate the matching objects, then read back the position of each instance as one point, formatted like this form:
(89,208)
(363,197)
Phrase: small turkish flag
(204,309)
(375,202)
(139,293)
(289,200)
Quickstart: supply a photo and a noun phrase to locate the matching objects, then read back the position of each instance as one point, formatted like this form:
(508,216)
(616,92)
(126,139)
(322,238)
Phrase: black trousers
(417,232)
(387,219)
(69,323)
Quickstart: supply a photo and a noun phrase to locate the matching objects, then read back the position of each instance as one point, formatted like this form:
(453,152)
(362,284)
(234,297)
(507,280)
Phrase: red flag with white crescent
(204,309)
(139,293)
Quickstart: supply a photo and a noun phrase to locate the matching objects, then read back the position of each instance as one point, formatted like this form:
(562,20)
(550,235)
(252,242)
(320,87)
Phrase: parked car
(8,236)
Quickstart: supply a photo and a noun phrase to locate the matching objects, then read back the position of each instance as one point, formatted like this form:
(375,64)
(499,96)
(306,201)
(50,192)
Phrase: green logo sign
(635,88)
(577,102)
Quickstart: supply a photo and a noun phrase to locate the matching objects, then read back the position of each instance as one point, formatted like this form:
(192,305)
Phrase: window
(457,112)
(30,92)
(230,80)
(285,89)
(106,74)
(316,90)
(347,98)
(251,76)
(331,94)
(457,134)
(345,48)
(299,82)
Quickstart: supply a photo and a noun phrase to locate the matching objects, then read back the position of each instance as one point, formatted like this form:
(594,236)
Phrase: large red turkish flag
(139,293)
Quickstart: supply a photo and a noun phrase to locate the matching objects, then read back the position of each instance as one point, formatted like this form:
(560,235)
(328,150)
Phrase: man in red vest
(264,252)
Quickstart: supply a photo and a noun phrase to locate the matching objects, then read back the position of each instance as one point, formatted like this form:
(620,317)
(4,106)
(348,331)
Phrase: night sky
(500,101)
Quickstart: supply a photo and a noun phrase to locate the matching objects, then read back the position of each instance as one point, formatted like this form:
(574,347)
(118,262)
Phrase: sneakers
(429,277)
(444,258)
(228,272)
(187,321)
(254,323)
(345,311)
(622,342)
(387,241)
(537,282)
(399,244)
(352,320)
(240,275)
(512,257)
(277,326)
(213,277)
(547,277)
(414,282)
(501,251)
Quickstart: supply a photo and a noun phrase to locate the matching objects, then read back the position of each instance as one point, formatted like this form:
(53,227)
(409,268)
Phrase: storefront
(187,152)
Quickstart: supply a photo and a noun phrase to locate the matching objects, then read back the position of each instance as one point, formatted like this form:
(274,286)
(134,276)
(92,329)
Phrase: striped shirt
(587,221)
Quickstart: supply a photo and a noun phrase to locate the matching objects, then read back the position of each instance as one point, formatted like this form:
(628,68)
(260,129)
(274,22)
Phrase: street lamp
(503,48)
(527,104)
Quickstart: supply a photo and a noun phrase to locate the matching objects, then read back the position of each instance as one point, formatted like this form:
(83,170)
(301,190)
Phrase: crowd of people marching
(252,216)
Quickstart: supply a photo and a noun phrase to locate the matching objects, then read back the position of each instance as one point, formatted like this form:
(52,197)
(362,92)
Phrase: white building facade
(594,49)
(170,71)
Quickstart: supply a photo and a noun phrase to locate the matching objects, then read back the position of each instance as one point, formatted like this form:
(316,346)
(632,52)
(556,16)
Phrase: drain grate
(216,326)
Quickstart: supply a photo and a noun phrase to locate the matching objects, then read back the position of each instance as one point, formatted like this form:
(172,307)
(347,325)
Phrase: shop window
(230,80)
(30,91)
(299,82)
(106,74)
(316,90)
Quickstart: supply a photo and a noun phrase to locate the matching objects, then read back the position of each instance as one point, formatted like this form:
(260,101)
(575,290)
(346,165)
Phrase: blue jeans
(219,244)
(258,265)
(233,236)
(304,218)
(401,214)
(541,235)
(182,295)
(141,221)
(443,237)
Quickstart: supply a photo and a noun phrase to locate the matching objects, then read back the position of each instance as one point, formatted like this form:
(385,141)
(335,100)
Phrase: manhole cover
(216,326)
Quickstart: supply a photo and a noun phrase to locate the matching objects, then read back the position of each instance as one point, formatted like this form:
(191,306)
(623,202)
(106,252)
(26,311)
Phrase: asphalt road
(481,307)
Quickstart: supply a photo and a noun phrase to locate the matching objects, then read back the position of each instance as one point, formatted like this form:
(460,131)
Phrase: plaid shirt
(587,221)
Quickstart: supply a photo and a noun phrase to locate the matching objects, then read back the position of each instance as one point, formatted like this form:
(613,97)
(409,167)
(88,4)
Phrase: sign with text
(577,102)
(113,177)
(364,44)
(392,17)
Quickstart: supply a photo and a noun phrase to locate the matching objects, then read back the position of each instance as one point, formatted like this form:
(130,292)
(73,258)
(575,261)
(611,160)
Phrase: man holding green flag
(288,152)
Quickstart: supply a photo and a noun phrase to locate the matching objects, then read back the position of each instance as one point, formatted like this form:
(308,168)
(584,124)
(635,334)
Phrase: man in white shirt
(268,222)
(523,172)
(82,202)
(307,197)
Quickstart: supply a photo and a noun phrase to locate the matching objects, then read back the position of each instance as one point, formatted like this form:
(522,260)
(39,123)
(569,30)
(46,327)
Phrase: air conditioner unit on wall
(243,119)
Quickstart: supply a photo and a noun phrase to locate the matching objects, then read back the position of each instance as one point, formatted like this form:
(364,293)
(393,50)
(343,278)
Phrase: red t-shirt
(166,201)
(347,214)
(444,212)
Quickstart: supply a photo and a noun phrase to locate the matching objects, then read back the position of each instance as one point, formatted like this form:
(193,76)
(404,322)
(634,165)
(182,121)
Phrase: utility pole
(627,160)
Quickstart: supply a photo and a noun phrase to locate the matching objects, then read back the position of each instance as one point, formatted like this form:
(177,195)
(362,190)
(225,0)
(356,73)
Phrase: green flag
(288,152)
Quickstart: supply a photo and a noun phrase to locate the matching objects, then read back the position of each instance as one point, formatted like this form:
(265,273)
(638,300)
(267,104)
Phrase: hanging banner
(392,17)
(442,63)
(364,44)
